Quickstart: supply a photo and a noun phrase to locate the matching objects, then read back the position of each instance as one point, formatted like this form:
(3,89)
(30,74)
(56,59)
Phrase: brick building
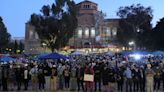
(91,26)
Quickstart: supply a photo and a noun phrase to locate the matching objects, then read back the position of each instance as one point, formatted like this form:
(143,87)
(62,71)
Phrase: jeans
(128,85)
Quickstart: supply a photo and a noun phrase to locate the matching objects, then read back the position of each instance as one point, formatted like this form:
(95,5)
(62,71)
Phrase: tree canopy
(4,36)
(158,35)
(135,24)
(56,24)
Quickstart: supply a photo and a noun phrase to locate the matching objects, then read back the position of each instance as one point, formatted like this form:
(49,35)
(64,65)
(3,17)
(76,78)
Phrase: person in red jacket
(89,84)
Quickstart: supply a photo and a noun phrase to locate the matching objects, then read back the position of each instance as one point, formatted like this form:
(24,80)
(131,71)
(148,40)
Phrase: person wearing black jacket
(4,77)
(120,79)
(105,77)
(162,76)
(0,77)
(142,79)
(135,72)
(157,79)
(112,79)
(47,73)
(19,74)
(41,78)
(97,76)
(66,74)
(80,77)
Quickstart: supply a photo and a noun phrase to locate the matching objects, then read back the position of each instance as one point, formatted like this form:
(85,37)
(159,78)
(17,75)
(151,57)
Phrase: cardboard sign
(88,77)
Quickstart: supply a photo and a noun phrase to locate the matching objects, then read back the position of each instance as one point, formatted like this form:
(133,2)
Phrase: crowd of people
(110,73)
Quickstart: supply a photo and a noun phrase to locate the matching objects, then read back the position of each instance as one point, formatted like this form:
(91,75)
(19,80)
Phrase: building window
(80,32)
(31,34)
(86,6)
(86,32)
(93,32)
(114,31)
(108,31)
(36,36)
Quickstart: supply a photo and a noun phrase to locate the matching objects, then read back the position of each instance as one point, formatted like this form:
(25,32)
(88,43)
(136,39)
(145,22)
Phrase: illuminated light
(18,51)
(131,43)
(80,33)
(123,48)
(9,49)
(117,50)
(137,56)
(130,48)
(93,32)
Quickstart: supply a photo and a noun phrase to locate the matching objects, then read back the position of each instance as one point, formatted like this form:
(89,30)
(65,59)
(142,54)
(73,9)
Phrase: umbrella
(6,59)
(142,52)
(158,53)
(109,53)
(54,56)
(40,56)
(77,53)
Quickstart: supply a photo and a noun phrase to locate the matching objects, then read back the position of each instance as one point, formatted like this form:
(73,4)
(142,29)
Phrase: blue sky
(16,13)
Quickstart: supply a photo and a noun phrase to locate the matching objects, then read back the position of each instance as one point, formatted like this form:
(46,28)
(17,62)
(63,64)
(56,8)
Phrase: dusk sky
(16,13)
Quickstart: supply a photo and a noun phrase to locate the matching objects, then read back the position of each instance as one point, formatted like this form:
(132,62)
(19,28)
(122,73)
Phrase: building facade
(93,30)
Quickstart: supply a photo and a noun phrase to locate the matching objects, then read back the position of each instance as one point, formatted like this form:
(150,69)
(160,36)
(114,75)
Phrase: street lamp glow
(131,43)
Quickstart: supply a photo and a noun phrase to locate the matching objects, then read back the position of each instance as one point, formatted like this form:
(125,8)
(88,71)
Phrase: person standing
(54,78)
(34,79)
(60,75)
(120,79)
(89,84)
(5,77)
(80,77)
(157,78)
(73,79)
(26,78)
(19,76)
(0,77)
(135,72)
(47,73)
(162,76)
(112,79)
(11,77)
(128,78)
(149,78)
(142,79)
(97,76)
(105,77)
(66,73)
(41,78)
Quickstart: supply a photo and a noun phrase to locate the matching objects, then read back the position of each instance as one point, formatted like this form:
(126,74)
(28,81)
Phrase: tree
(4,36)
(15,46)
(56,25)
(135,24)
(21,47)
(158,35)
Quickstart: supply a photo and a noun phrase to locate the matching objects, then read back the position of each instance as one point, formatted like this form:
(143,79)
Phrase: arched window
(86,33)
(80,33)
(93,33)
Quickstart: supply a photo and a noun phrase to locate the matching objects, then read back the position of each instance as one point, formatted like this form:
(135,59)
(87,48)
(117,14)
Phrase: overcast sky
(16,13)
